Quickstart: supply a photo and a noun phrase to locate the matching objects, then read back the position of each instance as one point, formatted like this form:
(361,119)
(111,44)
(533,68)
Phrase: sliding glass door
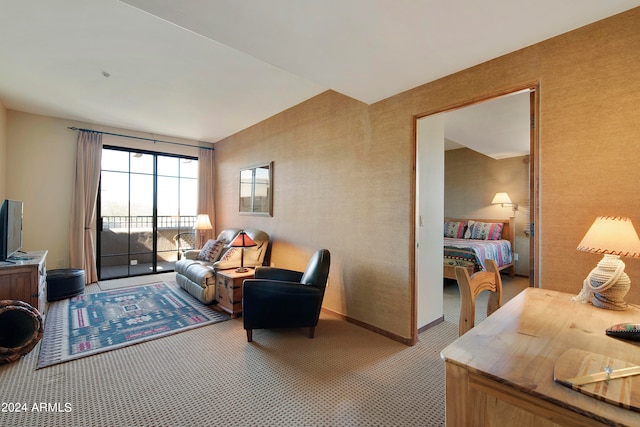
(147,202)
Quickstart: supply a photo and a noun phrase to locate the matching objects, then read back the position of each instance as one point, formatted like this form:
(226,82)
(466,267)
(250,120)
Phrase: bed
(469,243)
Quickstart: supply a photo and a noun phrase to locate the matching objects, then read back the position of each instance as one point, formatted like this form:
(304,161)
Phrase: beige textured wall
(344,171)
(472,179)
(333,189)
(40,168)
(3,151)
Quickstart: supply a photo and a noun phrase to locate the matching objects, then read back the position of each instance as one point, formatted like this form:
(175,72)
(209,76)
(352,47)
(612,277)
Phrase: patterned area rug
(94,323)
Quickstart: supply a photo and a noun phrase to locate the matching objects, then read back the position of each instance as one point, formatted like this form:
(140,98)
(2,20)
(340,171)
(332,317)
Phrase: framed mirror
(256,190)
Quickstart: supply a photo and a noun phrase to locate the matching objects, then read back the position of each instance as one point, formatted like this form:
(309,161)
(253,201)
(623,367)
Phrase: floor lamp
(202,224)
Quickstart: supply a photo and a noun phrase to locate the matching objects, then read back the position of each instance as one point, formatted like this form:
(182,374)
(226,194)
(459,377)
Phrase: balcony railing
(142,222)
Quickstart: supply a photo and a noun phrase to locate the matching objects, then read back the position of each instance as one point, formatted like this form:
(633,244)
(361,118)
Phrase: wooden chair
(470,288)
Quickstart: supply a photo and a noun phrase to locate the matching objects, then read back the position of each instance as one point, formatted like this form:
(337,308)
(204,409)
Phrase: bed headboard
(508,229)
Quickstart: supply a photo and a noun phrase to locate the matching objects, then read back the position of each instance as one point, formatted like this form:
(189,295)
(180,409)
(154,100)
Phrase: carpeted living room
(210,375)
(328,128)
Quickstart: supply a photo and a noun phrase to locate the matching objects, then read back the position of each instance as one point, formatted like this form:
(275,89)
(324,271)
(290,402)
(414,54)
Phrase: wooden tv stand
(25,279)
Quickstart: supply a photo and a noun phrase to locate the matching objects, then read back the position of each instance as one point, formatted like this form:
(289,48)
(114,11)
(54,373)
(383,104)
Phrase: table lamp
(242,241)
(607,284)
(202,223)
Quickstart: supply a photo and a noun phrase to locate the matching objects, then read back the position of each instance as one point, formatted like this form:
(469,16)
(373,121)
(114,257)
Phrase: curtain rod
(139,137)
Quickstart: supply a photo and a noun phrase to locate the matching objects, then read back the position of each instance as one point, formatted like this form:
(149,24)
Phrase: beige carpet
(345,376)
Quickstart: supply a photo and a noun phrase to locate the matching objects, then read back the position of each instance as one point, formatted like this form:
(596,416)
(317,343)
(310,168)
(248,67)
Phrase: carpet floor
(345,376)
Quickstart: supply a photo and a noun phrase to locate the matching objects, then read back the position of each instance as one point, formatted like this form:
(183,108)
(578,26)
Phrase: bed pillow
(454,229)
(484,230)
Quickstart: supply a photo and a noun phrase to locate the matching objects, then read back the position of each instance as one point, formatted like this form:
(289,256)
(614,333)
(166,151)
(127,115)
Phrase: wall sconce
(202,223)
(607,284)
(503,199)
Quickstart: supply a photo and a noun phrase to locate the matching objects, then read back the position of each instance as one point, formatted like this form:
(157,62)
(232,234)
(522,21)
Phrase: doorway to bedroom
(466,147)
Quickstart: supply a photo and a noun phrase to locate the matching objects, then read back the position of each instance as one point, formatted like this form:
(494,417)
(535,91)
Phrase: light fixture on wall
(503,199)
(607,284)
(202,224)
(242,241)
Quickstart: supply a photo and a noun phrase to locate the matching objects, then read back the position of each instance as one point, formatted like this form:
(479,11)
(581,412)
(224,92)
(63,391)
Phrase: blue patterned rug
(97,322)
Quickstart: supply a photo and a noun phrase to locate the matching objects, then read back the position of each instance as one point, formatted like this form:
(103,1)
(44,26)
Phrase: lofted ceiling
(204,70)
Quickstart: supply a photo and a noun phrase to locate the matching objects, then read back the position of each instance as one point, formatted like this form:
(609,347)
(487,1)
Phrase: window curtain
(206,181)
(82,227)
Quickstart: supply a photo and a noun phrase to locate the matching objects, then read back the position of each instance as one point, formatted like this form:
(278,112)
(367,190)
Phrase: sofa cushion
(227,235)
(211,250)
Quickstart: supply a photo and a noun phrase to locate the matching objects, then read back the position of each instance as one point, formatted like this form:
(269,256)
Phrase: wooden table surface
(520,343)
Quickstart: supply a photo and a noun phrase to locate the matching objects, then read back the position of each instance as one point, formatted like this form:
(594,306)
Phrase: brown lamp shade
(243,241)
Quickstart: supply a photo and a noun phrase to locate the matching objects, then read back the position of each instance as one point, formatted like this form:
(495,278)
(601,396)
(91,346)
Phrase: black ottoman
(64,283)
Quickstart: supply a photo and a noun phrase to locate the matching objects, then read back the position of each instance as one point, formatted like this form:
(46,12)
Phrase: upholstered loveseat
(196,271)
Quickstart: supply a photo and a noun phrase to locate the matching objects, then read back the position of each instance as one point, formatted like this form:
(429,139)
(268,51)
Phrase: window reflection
(256,190)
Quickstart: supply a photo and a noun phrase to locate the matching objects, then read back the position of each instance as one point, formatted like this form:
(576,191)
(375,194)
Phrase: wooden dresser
(26,280)
(501,372)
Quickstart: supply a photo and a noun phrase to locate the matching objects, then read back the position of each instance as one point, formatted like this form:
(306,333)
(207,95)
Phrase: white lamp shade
(611,235)
(501,198)
(203,222)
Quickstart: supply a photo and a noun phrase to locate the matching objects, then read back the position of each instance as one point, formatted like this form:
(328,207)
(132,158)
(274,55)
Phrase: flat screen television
(10,228)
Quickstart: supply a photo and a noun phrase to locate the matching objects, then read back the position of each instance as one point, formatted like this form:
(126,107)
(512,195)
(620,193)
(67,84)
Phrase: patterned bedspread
(470,251)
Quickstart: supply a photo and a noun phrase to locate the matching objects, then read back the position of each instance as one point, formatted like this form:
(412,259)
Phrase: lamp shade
(243,241)
(501,199)
(203,222)
(611,235)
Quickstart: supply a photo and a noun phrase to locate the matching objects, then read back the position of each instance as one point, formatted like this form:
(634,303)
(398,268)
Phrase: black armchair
(280,298)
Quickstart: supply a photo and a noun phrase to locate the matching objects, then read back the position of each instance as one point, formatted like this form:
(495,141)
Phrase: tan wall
(327,195)
(344,171)
(40,167)
(472,179)
(3,151)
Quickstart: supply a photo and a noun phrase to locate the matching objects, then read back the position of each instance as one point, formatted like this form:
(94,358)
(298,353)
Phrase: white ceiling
(204,70)
(499,128)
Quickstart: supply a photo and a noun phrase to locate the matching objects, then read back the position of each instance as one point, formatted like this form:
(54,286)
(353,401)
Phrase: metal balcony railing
(139,222)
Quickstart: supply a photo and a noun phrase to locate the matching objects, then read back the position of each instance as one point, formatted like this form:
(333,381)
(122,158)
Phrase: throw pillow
(211,250)
(467,233)
(454,229)
(485,231)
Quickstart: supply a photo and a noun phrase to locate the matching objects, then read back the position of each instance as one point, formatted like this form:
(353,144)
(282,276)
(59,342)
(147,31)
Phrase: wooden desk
(501,372)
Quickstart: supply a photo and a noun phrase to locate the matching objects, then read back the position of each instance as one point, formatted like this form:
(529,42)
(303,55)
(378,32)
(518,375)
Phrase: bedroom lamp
(503,199)
(607,284)
(242,241)
(202,223)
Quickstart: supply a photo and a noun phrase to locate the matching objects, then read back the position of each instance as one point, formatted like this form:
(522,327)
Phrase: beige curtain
(206,181)
(83,204)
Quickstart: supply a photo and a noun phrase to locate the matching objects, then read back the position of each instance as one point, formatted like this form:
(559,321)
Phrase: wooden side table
(229,290)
